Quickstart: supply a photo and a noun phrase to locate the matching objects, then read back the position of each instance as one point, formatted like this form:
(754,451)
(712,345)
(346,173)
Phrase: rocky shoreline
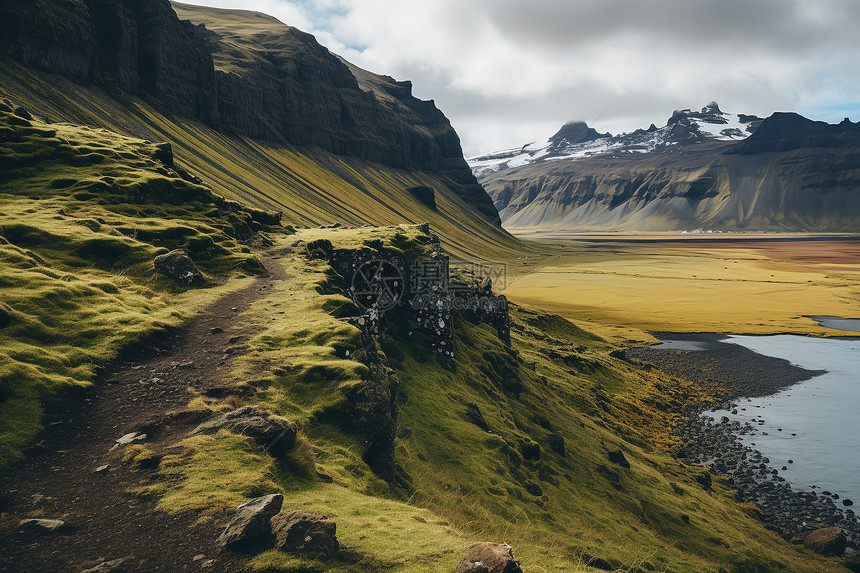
(793,514)
(729,372)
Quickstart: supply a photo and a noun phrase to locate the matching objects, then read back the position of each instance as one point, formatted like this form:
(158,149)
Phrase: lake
(814,423)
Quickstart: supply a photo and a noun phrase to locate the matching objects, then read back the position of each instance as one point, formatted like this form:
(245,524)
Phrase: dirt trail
(105,522)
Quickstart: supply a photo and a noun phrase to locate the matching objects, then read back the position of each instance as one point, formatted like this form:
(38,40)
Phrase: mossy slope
(83,213)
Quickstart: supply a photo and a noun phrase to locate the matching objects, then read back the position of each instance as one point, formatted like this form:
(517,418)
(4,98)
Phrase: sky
(510,72)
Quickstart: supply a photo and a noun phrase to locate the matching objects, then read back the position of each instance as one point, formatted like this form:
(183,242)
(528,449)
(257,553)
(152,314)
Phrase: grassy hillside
(85,211)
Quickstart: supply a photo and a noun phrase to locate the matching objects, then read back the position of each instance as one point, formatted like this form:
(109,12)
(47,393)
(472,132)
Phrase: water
(852,324)
(815,423)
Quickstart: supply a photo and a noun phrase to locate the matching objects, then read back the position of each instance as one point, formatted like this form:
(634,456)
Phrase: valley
(738,284)
(258,313)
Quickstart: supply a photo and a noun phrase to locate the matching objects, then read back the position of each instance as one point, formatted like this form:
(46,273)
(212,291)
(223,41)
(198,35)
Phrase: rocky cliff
(241,72)
(790,174)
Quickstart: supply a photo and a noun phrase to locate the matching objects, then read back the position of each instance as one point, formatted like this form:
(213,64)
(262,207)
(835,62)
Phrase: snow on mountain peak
(576,140)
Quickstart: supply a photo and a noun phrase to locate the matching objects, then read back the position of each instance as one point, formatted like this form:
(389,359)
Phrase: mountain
(244,85)
(195,219)
(704,170)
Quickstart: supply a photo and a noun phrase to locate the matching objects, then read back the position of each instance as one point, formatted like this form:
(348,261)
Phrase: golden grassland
(741,287)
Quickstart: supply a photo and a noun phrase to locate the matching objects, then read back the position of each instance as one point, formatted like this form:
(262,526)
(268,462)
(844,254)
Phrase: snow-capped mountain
(576,140)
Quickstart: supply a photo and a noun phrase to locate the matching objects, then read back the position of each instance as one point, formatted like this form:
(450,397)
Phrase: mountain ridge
(784,173)
(263,80)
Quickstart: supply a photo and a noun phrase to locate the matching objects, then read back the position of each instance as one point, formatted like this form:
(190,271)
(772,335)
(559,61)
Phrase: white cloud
(505,71)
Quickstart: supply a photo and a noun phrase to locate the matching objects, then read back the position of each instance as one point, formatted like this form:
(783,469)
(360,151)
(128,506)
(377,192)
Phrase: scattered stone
(131,438)
(105,566)
(827,541)
(177,265)
(102,469)
(275,434)
(42,525)
(534,489)
(556,443)
(216,330)
(489,558)
(251,522)
(704,479)
(473,415)
(617,458)
(847,502)
(301,531)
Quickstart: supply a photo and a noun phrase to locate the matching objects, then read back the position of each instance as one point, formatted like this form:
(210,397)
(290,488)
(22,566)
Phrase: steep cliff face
(791,174)
(132,47)
(241,72)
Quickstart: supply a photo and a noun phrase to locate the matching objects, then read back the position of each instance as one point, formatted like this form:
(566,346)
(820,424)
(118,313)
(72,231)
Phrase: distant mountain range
(703,170)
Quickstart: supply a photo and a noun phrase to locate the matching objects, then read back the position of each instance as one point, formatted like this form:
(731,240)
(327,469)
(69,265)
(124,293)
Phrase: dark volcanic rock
(177,265)
(489,558)
(300,531)
(575,132)
(617,457)
(251,522)
(473,415)
(827,541)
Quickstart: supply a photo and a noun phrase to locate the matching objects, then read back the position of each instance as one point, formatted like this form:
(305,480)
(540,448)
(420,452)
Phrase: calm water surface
(823,413)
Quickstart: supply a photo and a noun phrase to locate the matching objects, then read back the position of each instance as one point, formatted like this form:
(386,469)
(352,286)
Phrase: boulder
(301,531)
(489,558)
(252,521)
(275,434)
(827,541)
(177,265)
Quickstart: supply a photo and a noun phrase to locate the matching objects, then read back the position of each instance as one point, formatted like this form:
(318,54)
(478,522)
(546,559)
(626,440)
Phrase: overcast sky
(507,72)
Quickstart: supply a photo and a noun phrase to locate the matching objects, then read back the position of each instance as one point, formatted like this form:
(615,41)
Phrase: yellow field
(697,285)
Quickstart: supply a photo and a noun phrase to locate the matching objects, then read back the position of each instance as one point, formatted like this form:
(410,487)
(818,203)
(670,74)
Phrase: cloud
(505,71)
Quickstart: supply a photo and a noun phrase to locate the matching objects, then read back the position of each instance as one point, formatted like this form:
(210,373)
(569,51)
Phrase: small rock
(847,502)
(131,438)
(556,443)
(827,541)
(42,525)
(105,566)
(300,531)
(473,415)
(489,558)
(177,265)
(617,457)
(704,479)
(102,469)
(251,522)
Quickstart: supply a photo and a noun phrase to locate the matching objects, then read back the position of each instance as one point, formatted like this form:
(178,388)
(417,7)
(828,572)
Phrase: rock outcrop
(302,531)
(489,558)
(251,524)
(178,266)
(827,541)
(790,174)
